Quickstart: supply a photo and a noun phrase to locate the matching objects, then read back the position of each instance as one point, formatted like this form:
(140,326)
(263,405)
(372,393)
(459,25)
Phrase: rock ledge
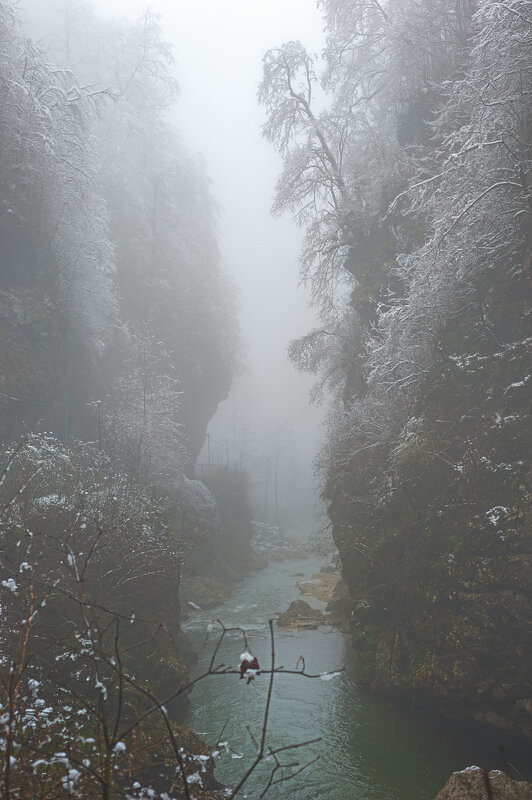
(472,784)
(300,615)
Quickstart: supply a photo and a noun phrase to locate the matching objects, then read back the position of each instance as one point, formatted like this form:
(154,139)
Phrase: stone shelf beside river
(300,615)
(320,585)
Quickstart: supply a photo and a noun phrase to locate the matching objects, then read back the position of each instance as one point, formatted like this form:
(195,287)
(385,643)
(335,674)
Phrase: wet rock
(199,593)
(301,615)
(321,585)
(339,605)
(472,784)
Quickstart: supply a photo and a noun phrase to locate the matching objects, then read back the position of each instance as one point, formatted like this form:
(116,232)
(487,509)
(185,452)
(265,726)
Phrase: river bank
(368,751)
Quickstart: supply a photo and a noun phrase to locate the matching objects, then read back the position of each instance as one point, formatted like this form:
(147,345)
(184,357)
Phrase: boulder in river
(300,615)
(472,784)
(321,585)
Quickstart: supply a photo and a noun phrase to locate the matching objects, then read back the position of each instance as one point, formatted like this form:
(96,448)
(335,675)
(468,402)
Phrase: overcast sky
(219,46)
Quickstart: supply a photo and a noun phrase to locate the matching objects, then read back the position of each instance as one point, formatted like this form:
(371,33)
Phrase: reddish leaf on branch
(249,666)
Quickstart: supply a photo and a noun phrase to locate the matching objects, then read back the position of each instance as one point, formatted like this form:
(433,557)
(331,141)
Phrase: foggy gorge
(265,399)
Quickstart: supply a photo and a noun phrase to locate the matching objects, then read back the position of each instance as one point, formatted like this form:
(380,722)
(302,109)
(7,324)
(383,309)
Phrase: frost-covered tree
(56,255)
(101,200)
(141,425)
(108,227)
(427,351)
(312,185)
(471,194)
(344,164)
(89,628)
(162,217)
(384,178)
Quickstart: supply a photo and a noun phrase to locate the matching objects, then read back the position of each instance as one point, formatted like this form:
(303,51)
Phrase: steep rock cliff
(435,535)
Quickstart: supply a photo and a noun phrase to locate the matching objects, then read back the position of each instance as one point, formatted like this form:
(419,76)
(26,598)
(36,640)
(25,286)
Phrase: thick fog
(219,48)
(158,443)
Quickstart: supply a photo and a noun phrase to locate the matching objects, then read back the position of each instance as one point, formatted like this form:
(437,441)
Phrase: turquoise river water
(367,750)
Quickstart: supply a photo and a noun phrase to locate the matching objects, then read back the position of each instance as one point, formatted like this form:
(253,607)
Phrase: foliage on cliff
(118,326)
(118,339)
(413,185)
(107,222)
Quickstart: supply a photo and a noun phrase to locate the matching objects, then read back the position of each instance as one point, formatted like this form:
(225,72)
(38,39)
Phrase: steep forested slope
(117,323)
(413,186)
(118,339)
(107,220)
(58,300)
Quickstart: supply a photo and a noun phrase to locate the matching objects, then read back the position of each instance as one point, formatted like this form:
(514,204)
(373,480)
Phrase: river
(367,750)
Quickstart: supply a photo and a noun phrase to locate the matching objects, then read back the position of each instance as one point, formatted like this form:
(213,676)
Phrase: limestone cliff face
(225,552)
(454,642)
(206,379)
(435,535)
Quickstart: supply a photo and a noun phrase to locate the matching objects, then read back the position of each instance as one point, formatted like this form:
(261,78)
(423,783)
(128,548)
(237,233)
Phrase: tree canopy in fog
(411,184)
(116,218)
(412,180)
(119,338)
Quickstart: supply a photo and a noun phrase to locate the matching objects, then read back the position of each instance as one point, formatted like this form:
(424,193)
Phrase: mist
(218,49)
(264,399)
